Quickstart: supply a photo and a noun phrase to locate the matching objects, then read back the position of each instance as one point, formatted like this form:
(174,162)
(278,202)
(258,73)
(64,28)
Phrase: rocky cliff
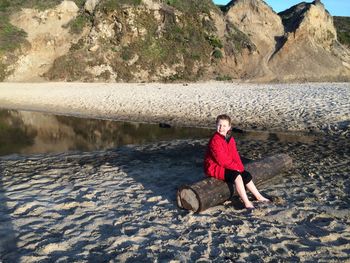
(168,40)
(310,49)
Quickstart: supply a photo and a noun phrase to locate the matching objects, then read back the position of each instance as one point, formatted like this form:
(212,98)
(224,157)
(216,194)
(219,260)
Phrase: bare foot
(264,199)
(249,205)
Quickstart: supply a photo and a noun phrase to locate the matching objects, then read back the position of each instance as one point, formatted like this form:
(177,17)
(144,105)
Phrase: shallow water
(25,132)
(119,204)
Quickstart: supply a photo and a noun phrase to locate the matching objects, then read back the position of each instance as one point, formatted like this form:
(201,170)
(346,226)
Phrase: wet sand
(119,205)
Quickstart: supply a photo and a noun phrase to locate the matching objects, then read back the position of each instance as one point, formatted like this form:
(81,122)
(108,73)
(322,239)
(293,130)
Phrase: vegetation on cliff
(342,24)
(176,40)
(11,37)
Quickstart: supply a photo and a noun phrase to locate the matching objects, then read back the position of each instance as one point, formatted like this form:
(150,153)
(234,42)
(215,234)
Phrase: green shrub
(10,36)
(217,54)
(4,4)
(35,4)
(195,56)
(70,67)
(126,53)
(2,72)
(344,38)
(111,5)
(223,78)
(173,78)
(79,3)
(214,41)
(342,25)
(192,6)
(77,25)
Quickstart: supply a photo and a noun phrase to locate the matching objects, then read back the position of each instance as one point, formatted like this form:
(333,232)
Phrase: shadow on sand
(161,168)
(8,238)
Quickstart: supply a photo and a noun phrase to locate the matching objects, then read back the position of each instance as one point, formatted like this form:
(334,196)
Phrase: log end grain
(188,199)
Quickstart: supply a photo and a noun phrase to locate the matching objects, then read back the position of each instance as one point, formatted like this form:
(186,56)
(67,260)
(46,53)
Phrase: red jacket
(220,155)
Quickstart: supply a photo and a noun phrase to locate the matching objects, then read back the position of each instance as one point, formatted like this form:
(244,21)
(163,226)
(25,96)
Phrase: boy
(222,161)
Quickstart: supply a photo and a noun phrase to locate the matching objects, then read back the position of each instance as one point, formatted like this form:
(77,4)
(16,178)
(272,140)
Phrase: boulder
(90,6)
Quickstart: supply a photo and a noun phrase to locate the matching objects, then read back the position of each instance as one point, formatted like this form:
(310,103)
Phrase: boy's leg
(252,188)
(242,193)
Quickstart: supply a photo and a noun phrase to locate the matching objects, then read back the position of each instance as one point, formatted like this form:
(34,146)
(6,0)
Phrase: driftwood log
(210,191)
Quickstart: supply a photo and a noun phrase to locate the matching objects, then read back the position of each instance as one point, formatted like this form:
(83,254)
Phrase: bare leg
(242,193)
(252,188)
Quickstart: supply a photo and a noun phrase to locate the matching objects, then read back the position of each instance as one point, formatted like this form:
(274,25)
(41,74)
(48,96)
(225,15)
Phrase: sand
(119,205)
(319,107)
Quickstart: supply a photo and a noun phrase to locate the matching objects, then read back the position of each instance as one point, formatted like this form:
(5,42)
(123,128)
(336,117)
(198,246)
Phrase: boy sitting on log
(222,162)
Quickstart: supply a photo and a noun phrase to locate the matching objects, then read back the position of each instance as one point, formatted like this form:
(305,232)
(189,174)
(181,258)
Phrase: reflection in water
(12,137)
(31,132)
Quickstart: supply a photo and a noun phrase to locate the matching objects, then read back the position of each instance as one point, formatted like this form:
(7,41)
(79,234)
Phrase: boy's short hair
(223,117)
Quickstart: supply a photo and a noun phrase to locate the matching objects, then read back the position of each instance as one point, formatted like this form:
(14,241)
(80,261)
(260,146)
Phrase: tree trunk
(210,191)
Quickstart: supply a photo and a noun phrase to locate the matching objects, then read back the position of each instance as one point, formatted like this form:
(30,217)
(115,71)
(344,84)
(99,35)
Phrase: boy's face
(222,127)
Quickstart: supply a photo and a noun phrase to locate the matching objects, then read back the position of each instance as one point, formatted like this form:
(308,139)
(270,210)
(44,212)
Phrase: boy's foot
(263,199)
(249,206)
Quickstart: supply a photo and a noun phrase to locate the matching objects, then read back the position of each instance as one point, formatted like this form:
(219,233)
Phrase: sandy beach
(319,107)
(119,205)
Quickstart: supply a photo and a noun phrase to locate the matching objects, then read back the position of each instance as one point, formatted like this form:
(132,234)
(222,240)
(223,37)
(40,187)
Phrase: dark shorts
(231,175)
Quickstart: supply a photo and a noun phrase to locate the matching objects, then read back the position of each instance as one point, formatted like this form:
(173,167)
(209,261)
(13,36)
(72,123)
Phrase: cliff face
(149,40)
(263,26)
(47,37)
(310,49)
(142,42)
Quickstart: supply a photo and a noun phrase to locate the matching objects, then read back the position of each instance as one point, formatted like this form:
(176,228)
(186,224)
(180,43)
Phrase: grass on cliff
(15,5)
(191,6)
(77,25)
(181,45)
(110,5)
(342,24)
(185,43)
(11,38)
(177,45)
(70,67)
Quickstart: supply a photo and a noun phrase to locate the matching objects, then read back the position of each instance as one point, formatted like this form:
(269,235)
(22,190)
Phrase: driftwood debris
(210,191)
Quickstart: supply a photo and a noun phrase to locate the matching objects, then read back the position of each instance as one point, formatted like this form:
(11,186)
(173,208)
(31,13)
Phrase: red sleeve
(222,157)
